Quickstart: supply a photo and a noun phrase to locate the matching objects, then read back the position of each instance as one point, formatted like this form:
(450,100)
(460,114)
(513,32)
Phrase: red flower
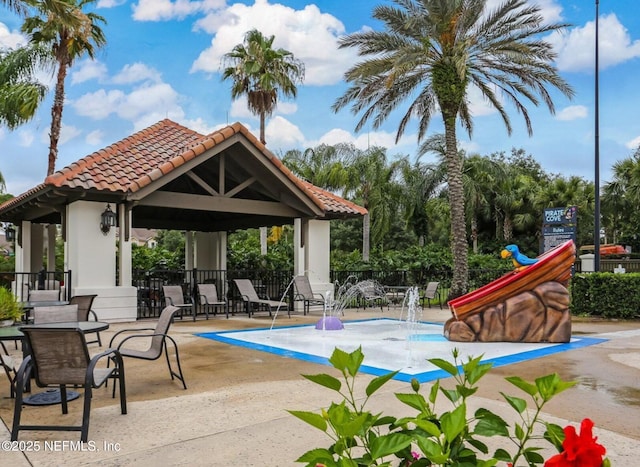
(579,450)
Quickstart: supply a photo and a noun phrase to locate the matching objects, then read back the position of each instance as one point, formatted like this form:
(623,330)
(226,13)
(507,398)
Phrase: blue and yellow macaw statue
(519,260)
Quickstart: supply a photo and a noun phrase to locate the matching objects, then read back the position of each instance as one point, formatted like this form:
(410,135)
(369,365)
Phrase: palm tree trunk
(262,136)
(459,247)
(56,118)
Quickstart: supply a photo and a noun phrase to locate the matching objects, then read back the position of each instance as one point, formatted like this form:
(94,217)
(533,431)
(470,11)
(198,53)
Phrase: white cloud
(110,3)
(87,70)
(281,133)
(25,138)
(308,33)
(162,10)
(239,108)
(98,105)
(137,72)
(572,112)
(365,140)
(634,143)
(10,39)
(95,137)
(576,49)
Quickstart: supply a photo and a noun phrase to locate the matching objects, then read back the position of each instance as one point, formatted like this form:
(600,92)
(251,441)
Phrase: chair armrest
(93,313)
(169,300)
(112,355)
(140,335)
(122,331)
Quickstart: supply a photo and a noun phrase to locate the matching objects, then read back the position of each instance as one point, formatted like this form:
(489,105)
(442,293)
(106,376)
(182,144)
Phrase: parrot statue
(519,260)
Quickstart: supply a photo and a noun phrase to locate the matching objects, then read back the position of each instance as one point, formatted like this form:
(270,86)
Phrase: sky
(163,60)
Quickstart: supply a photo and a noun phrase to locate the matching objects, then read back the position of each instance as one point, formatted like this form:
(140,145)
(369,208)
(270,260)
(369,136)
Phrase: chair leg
(173,374)
(86,411)
(63,399)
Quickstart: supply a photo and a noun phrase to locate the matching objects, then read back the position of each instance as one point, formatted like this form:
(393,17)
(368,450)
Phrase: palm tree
(20,92)
(432,51)
(68,37)
(261,72)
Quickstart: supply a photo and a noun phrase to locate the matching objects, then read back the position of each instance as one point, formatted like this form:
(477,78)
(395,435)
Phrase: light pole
(596,181)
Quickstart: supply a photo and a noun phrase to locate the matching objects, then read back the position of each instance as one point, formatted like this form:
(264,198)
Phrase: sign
(558,226)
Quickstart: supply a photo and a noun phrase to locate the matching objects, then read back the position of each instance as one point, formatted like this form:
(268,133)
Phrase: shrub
(452,438)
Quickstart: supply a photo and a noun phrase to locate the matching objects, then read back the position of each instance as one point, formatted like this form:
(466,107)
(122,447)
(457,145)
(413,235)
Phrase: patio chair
(430,293)
(7,364)
(208,295)
(305,294)
(55,314)
(252,300)
(44,295)
(59,357)
(371,293)
(84,303)
(174,296)
(158,339)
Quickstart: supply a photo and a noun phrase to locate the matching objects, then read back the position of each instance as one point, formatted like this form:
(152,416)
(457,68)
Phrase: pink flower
(579,450)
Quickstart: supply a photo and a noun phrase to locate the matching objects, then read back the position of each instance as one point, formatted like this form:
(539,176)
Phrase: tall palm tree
(432,51)
(20,91)
(261,72)
(68,37)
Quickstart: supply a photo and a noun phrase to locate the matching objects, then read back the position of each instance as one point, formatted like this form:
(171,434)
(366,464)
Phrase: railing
(22,282)
(272,284)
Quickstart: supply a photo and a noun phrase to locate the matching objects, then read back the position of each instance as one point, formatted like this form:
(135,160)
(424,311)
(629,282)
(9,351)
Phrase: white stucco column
(22,257)
(188,250)
(316,249)
(124,255)
(91,257)
(298,249)
(52,232)
(37,247)
(23,248)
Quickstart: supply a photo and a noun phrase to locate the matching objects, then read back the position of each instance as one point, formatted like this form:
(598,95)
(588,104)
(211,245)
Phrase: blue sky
(162,60)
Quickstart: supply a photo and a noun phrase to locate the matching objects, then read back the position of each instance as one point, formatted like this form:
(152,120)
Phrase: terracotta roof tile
(136,161)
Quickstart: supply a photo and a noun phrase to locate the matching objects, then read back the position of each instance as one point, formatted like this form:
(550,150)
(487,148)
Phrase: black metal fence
(278,284)
(21,283)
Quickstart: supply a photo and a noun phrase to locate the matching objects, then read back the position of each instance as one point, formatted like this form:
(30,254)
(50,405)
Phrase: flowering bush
(452,438)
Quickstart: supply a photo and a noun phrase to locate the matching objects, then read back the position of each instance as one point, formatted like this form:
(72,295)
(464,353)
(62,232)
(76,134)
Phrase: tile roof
(131,164)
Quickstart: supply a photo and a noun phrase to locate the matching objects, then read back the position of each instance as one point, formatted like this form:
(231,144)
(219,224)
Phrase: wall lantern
(107,220)
(10,233)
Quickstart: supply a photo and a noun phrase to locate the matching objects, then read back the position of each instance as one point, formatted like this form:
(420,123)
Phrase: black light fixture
(10,233)
(107,220)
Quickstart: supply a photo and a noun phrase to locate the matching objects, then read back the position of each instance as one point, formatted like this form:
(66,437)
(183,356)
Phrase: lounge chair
(251,299)
(158,338)
(84,303)
(431,292)
(59,357)
(208,295)
(173,296)
(305,294)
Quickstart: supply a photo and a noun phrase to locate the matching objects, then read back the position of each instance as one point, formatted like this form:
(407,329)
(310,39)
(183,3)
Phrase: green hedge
(606,295)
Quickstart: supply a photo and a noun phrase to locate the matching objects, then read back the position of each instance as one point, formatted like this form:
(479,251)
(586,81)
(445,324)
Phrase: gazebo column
(52,232)
(125,277)
(22,251)
(316,255)
(37,247)
(91,256)
(210,253)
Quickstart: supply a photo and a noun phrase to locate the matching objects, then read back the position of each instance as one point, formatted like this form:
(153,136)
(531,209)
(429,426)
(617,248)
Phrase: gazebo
(168,176)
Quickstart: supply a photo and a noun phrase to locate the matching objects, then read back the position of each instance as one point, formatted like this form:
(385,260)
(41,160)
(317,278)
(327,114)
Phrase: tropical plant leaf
(378,382)
(311,418)
(325,380)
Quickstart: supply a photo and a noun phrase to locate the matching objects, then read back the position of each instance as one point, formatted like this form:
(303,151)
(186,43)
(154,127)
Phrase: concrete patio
(234,411)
